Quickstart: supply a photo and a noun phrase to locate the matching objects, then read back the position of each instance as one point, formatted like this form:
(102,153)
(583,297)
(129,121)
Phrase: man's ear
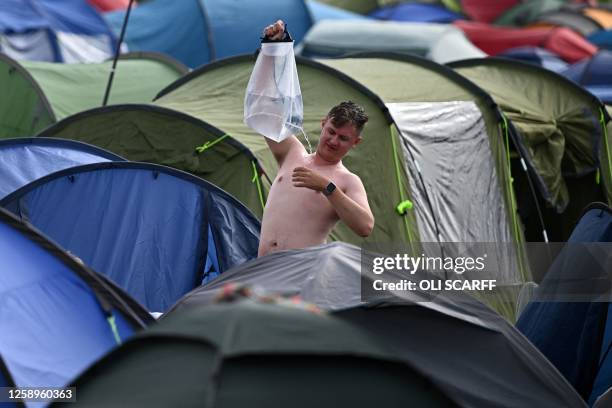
(358,140)
(323,121)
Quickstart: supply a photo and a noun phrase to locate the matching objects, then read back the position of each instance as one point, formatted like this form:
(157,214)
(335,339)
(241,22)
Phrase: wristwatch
(331,187)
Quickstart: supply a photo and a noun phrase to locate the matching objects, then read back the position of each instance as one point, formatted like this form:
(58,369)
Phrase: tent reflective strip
(41,298)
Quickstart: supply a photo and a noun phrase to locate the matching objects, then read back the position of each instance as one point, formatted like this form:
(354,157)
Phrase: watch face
(329,189)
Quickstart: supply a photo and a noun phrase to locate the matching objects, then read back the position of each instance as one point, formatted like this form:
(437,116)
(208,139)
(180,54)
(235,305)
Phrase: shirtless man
(311,192)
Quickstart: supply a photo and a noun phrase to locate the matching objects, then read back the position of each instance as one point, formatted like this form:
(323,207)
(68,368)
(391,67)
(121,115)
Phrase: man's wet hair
(348,112)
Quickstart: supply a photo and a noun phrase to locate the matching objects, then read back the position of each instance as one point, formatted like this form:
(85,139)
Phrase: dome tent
(450,339)
(39,94)
(57,316)
(24,160)
(116,216)
(561,131)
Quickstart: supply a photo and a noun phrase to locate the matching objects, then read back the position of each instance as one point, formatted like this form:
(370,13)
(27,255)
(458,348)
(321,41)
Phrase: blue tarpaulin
(56,316)
(55,31)
(199,31)
(23,160)
(144,226)
(602,39)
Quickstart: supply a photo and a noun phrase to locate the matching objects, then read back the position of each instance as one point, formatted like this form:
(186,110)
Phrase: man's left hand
(305,177)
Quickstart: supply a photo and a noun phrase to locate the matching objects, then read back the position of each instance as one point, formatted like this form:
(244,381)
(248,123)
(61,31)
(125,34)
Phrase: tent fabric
(357,6)
(559,132)
(486,11)
(57,316)
(575,336)
(594,75)
(203,356)
(24,160)
(56,31)
(209,29)
(493,40)
(600,15)
(117,218)
(574,20)
(527,12)
(110,5)
(416,12)
(41,93)
(537,56)
(453,45)
(321,11)
(337,38)
(602,39)
(330,277)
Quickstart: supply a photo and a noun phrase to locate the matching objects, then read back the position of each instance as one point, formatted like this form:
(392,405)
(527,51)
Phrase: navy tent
(155,231)
(56,316)
(55,31)
(602,39)
(416,12)
(577,336)
(196,32)
(24,160)
(594,74)
(537,56)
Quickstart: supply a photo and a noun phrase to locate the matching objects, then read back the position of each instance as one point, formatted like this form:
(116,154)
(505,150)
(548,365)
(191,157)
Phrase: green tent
(561,129)
(367,6)
(250,354)
(38,94)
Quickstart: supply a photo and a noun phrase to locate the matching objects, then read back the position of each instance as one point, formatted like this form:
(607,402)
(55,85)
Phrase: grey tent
(466,349)
(253,354)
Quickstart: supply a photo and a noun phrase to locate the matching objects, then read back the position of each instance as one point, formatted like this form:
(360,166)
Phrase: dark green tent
(249,354)
(38,94)
(561,131)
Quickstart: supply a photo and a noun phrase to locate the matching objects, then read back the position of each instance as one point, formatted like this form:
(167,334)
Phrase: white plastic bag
(273,101)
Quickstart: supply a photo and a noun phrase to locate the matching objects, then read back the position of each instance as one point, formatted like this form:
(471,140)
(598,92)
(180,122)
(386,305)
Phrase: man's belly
(295,218)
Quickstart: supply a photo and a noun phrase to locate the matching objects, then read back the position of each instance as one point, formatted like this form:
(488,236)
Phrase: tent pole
(117,51)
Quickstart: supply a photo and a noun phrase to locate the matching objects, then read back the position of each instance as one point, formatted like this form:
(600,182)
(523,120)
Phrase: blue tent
(155,231)
(537,56)
(55,31)
(594,74)
(56,315)
(196,32)
(322,11)
(602,39)
(577,336)
(416,12)
(23,160)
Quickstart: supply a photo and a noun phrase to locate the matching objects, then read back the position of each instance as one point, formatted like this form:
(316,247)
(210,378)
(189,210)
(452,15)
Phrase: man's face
(335,142)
